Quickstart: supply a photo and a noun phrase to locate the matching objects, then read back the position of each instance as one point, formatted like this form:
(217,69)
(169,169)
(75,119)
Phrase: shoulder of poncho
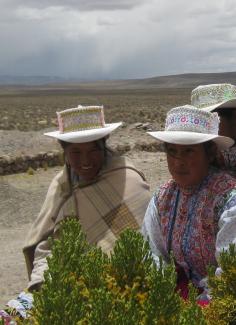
(60,181)
(121,162)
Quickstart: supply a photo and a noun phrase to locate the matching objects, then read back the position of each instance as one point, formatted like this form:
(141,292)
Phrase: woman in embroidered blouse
(194,213)
(220,98)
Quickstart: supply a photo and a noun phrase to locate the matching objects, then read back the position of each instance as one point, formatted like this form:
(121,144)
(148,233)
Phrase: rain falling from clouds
(107,39)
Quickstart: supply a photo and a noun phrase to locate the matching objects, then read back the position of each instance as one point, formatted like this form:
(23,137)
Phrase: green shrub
(222,309)
(84,286)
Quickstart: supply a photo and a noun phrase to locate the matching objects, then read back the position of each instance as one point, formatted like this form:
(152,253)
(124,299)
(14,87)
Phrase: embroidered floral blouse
(195,224)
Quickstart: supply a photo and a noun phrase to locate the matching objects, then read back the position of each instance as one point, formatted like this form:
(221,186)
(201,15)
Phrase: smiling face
(188,164)
(86,159)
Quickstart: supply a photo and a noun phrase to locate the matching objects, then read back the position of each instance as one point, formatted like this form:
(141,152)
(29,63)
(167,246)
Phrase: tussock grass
(28,109)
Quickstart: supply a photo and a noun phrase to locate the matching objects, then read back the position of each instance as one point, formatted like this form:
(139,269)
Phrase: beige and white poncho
(116,200)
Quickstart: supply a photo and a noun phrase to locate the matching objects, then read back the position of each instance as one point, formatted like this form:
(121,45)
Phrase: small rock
(54,122)
(138,125)
(42,122)
(146,126)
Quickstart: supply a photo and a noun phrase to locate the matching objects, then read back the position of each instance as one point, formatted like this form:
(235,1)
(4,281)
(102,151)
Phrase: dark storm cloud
(84,5)
(95,39)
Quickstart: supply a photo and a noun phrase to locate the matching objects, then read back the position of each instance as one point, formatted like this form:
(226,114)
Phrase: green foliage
(62,297)
(84,286)
(228,278)
(163,305)
(30,171)
(192,314)
(131,258)
(222,309)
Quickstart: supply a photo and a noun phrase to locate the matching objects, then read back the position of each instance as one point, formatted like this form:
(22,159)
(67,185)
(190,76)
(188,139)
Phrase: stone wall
(29,163)
(24,163)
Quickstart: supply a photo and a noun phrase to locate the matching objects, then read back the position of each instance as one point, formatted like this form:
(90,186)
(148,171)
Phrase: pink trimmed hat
(82,124)
(188,125)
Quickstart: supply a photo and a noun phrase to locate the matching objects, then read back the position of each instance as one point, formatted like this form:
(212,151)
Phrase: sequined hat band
(81,118)
(188,118)
(188,125)
(210,96)
(82,124)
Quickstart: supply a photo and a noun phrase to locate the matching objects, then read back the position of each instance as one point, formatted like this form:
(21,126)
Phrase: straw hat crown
(82,124)
(188,125)
(214,96)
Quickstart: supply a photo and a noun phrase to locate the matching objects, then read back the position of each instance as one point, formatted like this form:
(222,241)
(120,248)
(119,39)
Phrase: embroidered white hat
(82,124)
(214,96)
(188,125)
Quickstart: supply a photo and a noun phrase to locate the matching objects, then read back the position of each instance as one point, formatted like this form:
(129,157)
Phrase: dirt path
(21,197)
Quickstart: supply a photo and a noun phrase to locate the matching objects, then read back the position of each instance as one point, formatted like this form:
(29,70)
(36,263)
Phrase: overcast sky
(104,39)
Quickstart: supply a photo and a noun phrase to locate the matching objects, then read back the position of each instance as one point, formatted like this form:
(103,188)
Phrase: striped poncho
(116,200)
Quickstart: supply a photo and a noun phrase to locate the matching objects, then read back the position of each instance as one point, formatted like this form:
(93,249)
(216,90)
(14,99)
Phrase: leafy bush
(85,286)
(222,309)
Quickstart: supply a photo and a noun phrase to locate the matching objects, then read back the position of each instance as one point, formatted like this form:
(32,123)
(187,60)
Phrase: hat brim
(227,104)
(191,138)
(85,135)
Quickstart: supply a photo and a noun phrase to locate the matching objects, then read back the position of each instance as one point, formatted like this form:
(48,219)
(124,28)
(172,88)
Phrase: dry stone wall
(24,163)
(29,163)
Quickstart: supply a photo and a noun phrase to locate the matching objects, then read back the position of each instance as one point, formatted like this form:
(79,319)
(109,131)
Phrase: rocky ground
(21,195)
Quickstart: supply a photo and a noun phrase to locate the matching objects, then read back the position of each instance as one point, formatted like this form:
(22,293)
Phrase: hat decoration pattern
(188,118)
(82,124)
(81,118)
(213,94)
(188,125)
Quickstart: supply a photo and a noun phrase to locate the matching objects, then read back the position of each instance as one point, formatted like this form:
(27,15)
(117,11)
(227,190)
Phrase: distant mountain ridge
(188,80)
(29,80)
(192,79)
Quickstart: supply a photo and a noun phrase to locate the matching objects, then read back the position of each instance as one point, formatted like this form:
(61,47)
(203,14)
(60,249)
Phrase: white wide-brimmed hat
(188,125)
(82,124)
(214,96)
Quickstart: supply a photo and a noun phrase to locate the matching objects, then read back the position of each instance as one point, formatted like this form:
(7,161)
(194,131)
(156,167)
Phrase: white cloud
(111,39)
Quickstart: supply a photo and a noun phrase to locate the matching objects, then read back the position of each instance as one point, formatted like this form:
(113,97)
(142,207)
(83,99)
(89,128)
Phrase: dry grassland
(32,109)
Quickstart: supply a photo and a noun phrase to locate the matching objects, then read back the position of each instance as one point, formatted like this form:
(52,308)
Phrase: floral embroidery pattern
(196,220)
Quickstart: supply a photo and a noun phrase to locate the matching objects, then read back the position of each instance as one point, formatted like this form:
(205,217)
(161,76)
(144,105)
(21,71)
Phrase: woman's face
(227,122)
(86,159)
(188,164)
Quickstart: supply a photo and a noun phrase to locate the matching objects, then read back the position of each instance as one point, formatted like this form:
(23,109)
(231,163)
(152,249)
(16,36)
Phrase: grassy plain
(33,108)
